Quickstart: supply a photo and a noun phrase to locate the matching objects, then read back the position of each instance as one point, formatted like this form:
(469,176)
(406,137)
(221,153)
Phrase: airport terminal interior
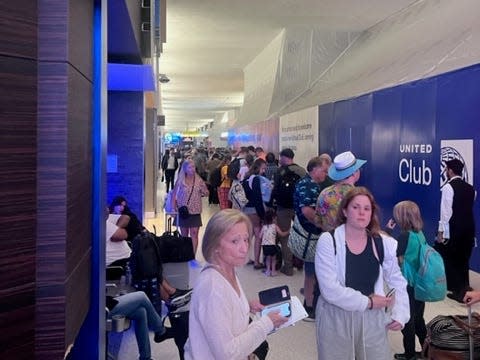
(95,91)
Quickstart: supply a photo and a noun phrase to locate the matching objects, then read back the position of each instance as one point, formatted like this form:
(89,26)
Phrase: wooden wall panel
(64,236)
(17,206)
(18,104)
(79,163)
(80,26)
(52,210)
(79,197)
(45,177)
(64,173)
(53,30)
(18,33)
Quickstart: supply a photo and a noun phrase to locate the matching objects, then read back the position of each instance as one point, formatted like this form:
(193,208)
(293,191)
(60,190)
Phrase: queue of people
(354,262)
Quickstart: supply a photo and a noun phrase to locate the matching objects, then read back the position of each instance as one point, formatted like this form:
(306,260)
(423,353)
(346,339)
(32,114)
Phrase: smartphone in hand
(284,309)
(390,293)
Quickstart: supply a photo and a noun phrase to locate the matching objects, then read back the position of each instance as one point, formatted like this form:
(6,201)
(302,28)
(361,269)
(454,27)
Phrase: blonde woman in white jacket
(354,271)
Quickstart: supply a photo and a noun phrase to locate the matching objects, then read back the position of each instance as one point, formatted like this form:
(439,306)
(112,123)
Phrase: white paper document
(298,312)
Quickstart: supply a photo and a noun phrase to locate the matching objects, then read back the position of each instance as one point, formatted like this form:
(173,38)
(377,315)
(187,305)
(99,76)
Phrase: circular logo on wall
(450,153)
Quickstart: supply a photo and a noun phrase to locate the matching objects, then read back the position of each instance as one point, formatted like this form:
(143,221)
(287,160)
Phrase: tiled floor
(297,342)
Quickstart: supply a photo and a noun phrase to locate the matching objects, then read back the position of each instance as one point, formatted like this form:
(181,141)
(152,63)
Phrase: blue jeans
(137,306)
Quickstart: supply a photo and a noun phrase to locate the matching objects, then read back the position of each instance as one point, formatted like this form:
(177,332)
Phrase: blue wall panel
(417,155)
(352,127)
(400,132)
(387,125)
(126,146)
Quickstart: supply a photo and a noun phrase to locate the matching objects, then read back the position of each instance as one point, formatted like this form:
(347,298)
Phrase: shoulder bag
(183,210)
(301,242)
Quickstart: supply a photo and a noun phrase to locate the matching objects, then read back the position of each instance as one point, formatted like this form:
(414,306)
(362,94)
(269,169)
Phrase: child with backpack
(268,234)
(407,216)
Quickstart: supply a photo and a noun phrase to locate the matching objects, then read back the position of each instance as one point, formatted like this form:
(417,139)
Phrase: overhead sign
(172,138)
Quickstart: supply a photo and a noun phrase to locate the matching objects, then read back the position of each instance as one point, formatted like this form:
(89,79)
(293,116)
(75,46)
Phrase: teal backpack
(429,282)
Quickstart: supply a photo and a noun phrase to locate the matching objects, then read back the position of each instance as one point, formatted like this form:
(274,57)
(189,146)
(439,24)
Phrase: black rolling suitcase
(453,337)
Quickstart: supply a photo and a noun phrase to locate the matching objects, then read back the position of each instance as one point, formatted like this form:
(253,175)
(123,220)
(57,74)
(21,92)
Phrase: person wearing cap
(305,198)
(284,202)
(456,229)
(345,171)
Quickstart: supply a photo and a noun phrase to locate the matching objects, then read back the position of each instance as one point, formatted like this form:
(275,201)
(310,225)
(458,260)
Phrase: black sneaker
(180,297)
(455,296)
(418,355)
(162,336)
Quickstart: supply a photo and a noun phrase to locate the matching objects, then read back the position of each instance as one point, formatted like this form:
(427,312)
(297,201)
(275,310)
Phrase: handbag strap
(193,185)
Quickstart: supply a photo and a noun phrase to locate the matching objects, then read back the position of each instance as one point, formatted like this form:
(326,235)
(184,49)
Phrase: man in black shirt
(456,229)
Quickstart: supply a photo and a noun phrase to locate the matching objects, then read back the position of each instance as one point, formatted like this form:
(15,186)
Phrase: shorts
(269,250)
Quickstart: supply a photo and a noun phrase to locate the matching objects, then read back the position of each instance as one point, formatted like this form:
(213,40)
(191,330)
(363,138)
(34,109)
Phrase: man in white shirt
(117,249)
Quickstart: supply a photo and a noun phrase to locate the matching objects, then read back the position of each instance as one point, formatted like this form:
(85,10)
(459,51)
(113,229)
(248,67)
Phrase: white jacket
(330,271)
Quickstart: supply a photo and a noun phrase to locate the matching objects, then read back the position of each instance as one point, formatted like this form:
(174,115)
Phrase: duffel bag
(175,248)
(448,337)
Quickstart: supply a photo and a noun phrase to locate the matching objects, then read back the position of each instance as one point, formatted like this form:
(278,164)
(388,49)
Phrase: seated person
(118,254)
(133,226)
(136,306)
(117,249)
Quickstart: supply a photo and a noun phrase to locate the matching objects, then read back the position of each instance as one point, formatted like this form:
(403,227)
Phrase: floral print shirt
(306,194)
(328,204)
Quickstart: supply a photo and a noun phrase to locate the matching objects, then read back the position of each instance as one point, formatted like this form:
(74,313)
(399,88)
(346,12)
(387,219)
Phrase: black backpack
(145,260)
(215,177)
(233,169)
(286,187)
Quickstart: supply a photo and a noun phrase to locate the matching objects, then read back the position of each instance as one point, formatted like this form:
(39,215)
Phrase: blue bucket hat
(344,165)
